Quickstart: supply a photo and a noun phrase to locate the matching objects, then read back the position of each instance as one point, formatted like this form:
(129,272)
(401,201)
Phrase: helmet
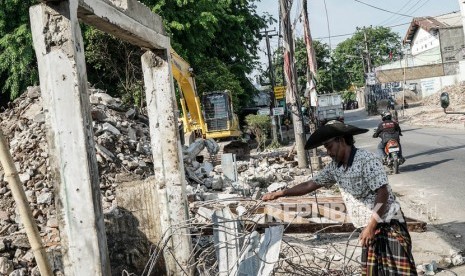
(386,115)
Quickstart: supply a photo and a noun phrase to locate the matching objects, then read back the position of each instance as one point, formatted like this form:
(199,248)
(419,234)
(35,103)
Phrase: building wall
(452,49)
(430,56)
(432,85)
(424,41)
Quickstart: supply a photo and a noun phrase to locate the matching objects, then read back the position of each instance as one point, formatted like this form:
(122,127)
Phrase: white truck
(329,107)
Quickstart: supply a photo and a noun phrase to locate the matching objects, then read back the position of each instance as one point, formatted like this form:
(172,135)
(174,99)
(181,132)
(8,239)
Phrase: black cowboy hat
(330,130)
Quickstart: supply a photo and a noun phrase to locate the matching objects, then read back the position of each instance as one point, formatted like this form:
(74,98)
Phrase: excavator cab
(220,120)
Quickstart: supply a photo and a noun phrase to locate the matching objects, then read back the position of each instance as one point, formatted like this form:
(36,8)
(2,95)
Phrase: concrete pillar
(63,82)
(167,159)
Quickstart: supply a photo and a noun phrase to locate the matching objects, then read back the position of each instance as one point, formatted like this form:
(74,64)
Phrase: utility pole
(367,52)
(315,160)
(292,96)
(369,90)
(405,77)
(273,84)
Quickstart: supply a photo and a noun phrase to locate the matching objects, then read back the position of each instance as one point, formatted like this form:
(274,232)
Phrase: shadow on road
(433,151)
(452,232)
(422,166)
(410,129)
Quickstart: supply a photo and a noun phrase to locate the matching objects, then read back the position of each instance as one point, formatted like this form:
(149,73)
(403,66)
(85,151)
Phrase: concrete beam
(128,20)
(167,160)
(63,82)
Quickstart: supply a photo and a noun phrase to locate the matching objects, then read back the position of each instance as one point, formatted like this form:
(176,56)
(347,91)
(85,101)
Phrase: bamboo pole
(24,210)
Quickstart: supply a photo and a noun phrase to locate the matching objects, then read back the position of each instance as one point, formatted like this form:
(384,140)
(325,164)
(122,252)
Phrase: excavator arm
(190,102)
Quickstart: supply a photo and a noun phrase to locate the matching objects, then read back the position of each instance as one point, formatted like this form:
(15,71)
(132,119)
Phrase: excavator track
(239,148)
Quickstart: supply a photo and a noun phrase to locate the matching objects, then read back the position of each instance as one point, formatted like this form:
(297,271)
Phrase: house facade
(435,40)
(433,57)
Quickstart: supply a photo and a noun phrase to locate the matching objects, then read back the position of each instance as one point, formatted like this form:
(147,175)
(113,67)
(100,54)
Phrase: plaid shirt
(358,183)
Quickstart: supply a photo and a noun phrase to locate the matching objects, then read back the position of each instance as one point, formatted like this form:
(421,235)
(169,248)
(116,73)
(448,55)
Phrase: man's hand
(367,236)
(272,195)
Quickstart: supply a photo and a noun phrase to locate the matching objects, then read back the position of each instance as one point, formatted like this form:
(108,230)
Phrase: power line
(381,9)
(421,6)
(399,10)
(398,17)
(392,26)
(410,9)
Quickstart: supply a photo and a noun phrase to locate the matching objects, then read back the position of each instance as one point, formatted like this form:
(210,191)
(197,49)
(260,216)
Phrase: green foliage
(17,61)
(348,96)
(380,42)
(213,34)
(337,71)
(329,75)
(222,36)
(274,144)
(18,67)
(260,126)
(114,65)
(217,76)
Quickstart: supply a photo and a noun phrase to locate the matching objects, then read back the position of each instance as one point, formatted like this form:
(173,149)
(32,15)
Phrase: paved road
(432,180)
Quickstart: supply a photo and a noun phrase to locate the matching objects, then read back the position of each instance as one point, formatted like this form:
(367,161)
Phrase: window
(450,58)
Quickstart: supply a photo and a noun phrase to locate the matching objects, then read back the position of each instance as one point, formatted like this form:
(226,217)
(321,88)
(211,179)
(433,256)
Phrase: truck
(329,107)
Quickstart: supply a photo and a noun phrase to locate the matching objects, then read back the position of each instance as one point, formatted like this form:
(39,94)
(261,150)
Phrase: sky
(345,15)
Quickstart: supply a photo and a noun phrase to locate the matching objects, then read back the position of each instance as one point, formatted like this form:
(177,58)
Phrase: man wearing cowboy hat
(387,248)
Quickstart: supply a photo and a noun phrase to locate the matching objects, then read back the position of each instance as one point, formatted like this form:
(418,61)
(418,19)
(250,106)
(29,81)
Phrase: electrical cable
(381,9)
(398,17)
(399,10)
(348,34)
(421,6)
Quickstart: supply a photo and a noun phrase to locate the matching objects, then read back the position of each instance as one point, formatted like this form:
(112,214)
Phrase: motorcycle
(392,159)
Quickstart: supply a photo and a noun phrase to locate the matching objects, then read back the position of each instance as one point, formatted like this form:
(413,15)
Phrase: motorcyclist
(391,103)
(388,129)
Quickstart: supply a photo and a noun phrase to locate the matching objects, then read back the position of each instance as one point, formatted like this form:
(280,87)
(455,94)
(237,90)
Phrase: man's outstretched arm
(298,190)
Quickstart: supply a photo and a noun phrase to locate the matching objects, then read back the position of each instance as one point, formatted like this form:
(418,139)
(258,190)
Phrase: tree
(352,56)
(259,125)
(114,65)
(212,35)
(208,32)
(328,74)
(18,67)
(337,71)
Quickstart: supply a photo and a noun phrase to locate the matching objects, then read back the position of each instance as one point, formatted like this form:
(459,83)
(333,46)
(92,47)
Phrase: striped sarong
(390,254)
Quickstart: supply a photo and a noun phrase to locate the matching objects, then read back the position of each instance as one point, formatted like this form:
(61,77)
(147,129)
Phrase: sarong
(390,254)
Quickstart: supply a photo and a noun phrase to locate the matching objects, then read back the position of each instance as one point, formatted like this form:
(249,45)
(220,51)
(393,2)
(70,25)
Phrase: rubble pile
(430,112)
(122,145)
(456,95)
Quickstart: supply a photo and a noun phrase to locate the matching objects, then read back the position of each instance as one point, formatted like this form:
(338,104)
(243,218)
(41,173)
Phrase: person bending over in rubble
(387,247)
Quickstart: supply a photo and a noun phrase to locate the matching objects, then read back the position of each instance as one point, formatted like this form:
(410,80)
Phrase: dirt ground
(428,111)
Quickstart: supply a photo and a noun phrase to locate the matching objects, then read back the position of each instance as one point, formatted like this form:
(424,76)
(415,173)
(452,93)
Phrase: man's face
(333,147)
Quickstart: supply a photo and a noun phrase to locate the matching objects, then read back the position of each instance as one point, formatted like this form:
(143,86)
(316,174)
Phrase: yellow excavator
(216,120)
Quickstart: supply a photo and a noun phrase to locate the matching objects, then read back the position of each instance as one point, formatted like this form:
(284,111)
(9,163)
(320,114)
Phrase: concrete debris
(428,268)
(123,154)
(458,260)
